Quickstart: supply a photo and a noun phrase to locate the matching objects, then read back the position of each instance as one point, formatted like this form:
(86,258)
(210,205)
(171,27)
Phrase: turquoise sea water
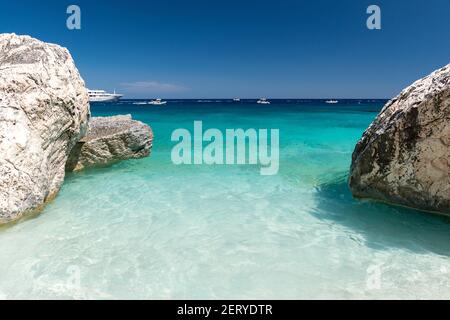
(147,229)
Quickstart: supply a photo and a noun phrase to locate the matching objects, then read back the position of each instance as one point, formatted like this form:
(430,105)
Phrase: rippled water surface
(149,229)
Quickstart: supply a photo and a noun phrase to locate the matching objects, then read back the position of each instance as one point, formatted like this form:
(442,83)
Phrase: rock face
(109,140)
(44,111)
(404,156)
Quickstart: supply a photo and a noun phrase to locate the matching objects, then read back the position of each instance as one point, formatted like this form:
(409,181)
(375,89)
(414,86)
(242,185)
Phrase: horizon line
(328,98)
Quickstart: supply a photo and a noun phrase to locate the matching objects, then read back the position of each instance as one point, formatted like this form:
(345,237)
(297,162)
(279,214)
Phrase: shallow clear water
(149,229)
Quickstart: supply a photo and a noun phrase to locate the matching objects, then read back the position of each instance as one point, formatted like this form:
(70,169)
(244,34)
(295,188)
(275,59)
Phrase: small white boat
(237,100)
(263,101)
(158,102)
(332,101)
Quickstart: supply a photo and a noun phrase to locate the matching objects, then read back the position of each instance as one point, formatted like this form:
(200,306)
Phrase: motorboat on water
(157,102)
(263,101)
(237,100)
(332,101)
(103,96)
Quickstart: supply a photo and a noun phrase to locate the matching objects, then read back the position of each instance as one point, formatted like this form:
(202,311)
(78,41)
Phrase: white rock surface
(404,156)
(110,140)
(44,111)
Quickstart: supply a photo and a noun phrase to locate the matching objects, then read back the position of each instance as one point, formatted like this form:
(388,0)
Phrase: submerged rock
(404,156)
(109,140)
(44,111)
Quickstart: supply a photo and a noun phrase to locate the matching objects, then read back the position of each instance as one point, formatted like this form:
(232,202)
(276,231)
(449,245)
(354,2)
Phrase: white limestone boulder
(44,111)
(404,156)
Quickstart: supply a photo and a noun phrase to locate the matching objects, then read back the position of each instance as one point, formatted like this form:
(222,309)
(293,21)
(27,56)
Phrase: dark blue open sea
(149,229)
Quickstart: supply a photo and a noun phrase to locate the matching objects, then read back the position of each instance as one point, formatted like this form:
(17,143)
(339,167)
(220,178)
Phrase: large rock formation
(44,111)
(404,156)
(109,140)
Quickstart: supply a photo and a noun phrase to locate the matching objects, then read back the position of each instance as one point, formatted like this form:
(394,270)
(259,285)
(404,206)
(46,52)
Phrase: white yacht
(237,100)
(157,102)
(263,101)
(332,101)
(103,96)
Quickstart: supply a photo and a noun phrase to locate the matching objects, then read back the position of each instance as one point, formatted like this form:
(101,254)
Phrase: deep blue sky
(221,49)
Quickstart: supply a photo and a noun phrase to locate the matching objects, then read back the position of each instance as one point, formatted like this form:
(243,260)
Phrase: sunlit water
(148,229)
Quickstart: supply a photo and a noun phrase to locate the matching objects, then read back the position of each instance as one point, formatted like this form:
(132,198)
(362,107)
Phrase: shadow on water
(381,225)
